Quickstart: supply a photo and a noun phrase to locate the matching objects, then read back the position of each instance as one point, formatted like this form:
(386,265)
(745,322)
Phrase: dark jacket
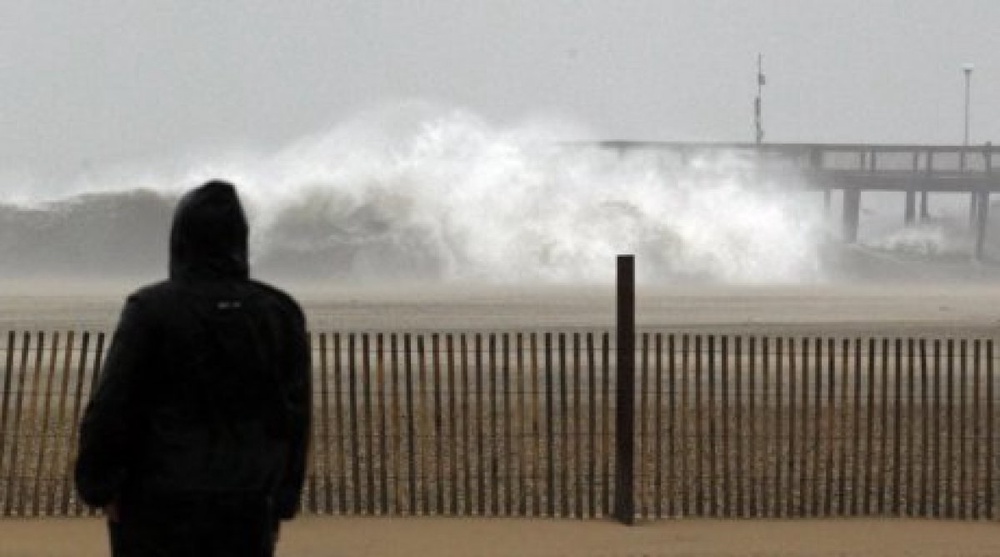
(205,391)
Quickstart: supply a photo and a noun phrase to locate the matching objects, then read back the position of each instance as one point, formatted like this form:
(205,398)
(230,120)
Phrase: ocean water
(417,194)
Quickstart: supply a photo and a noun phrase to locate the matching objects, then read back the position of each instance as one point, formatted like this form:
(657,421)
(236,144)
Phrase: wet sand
(439,537)
(971,309)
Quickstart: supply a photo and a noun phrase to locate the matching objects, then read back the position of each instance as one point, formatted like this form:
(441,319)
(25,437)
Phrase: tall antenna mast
(758,119)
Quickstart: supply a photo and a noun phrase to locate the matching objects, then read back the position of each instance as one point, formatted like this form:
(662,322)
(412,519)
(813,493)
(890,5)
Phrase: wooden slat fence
(523,424)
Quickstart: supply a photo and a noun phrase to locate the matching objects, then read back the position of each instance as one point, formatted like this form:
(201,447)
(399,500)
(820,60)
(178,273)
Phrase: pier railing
(926,163)
(523,424)
(851,170)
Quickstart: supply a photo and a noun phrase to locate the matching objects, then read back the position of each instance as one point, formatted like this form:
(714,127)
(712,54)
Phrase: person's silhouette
(195,440)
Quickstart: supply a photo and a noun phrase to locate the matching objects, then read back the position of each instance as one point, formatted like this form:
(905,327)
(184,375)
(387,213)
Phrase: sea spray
(444,195)
(460,199)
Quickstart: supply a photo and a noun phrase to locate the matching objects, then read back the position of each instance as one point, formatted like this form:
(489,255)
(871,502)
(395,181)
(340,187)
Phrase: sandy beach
(385,537)
(967,310)
(887,309)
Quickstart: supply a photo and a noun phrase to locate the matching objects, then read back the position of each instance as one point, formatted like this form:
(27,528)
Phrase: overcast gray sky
(95,82)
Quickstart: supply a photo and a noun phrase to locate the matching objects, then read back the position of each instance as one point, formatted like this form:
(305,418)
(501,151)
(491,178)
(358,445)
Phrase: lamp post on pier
(967,70)
(758,117)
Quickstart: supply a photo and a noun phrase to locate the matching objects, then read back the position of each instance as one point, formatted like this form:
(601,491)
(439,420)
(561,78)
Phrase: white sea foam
(418,192)
(443,194)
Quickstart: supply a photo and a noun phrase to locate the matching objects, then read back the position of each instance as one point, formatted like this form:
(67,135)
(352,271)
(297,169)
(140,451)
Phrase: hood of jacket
(208,238)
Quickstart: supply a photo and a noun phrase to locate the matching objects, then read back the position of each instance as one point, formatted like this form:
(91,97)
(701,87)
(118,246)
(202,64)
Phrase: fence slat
(754,475)
(713,470)
(926,453)
(395,456)
(64,431)
(910,507)
(310,491)
(508,425)
(803,489)
(673,430)
(480,431)
(831,391)
(384,426)
(739,433)
(324,426)
(467,426)
(13,486)
(77,395)
(963,499)
(938,456)
(978,441)
(577,427)
(78,404)
(869,461)
(8,377)
(342,423)
(44,433)
(881,474)
(522,431)
(563,429)
(94,378)
(658,465)
(30,427)
(494,433)
(949,467)
(416,421)
(782,457)
(642,444)
(768,496)
(352,402)
(845,367)
(724,458)
(453,431)
(592,427)
(609,427)
(684,426)
(536,412)
(897,462)
(550,448)
(856,499)
(991,437)
(422,417)
(699,421)
(728,425)
(792,457)
(814,446)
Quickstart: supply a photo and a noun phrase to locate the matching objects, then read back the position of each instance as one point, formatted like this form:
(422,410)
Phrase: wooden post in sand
(625,419)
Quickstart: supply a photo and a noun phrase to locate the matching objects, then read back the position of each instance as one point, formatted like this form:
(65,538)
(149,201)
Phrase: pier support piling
(982,207)
(852,215)
(910,208)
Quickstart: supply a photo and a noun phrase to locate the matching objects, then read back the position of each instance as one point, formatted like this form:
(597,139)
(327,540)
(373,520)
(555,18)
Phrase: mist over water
(421,194)
(451,197)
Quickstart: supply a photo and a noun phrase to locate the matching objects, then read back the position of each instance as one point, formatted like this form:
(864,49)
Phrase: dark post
(625,419)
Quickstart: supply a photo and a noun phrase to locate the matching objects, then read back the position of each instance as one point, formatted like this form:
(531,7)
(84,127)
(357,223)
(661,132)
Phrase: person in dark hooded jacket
(195,440)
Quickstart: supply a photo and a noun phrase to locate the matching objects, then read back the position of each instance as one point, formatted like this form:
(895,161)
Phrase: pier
(853,169)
